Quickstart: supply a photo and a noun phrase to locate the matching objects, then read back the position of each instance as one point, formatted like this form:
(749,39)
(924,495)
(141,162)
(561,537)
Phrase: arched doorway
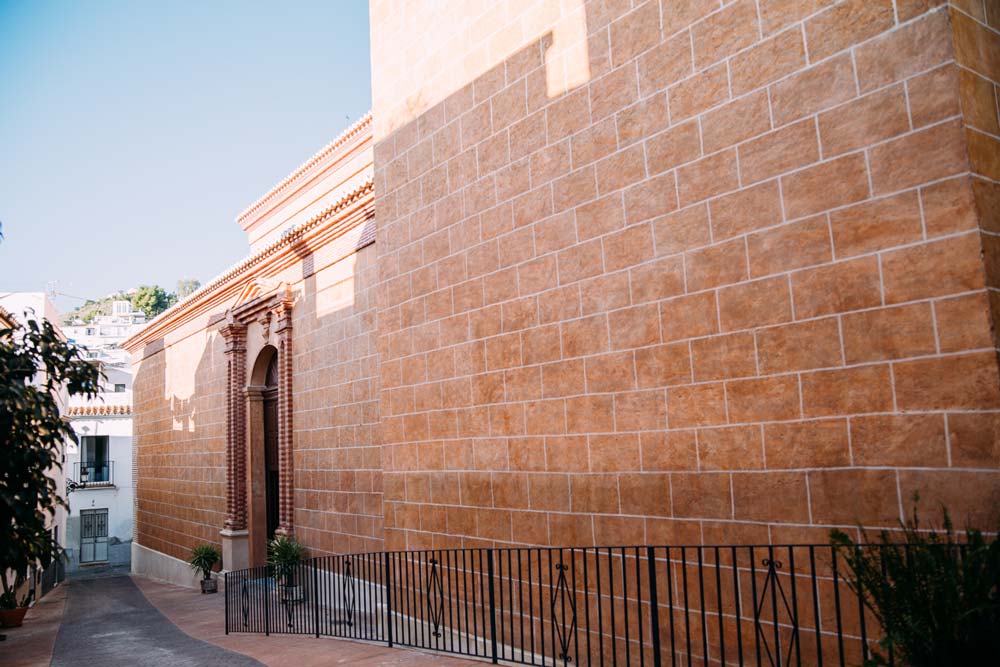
(259,463)
(264,467)
(270,396)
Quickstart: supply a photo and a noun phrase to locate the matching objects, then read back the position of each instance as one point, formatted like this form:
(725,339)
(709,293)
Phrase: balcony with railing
(93,474)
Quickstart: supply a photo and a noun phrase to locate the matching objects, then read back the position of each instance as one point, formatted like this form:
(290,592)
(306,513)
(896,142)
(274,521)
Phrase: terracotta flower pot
(12,618)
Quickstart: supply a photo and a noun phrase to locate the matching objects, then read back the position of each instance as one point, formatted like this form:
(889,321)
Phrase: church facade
(603,273)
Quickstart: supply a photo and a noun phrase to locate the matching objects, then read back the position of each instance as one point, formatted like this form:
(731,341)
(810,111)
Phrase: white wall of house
(102,335)
(38,303)
(116,496)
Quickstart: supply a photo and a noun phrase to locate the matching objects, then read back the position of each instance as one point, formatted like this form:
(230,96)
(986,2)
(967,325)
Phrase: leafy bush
(935,595)
(204,557)
(36,365)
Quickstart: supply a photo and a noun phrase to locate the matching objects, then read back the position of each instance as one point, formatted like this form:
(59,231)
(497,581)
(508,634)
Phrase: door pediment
(256,296)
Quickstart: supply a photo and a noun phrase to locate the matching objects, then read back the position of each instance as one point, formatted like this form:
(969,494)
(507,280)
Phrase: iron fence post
(387,578)
(267,601)
(493,615)
(315,599)
(226,597)
(654,608)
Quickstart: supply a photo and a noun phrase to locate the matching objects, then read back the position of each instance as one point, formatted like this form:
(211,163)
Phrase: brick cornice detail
(356,129)
(355,208)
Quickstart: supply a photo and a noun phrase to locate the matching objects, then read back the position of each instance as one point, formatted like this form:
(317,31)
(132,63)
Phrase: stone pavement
(31,644)
(201,616)
(108,622)
(117,621)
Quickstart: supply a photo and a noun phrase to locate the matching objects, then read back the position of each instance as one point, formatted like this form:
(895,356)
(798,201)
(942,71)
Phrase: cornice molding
(175,314)
(350,133)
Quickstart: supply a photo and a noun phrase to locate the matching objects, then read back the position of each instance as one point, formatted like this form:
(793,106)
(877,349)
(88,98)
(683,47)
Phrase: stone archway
(246,530)
(263,462)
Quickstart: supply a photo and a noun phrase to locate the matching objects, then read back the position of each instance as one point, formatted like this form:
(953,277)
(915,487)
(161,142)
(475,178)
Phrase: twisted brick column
(286,473)
(235,335)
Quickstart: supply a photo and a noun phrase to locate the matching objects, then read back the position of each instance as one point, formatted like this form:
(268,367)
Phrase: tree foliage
(935,594)
(152,300)
(186,286)
(36,364)
(91,309)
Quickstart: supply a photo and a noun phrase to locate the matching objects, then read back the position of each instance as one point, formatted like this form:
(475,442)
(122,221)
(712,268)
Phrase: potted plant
(284,555)
(204,557)
(11,611)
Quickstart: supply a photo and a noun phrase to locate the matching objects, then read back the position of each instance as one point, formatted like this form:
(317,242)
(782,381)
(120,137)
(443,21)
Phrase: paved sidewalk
(201,616)
(117,621)
(109,622)
(31,644)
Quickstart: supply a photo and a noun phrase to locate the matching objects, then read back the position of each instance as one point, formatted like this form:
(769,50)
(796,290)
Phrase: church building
(602,273)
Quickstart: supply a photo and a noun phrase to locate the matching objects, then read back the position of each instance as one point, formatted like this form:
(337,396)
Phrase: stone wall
(338,475)
(684,271)
(180,392)
(179,443)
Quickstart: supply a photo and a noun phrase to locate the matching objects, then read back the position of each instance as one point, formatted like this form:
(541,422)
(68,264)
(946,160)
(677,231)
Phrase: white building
(18,307)
(102,335)
(99,469)
(99,472)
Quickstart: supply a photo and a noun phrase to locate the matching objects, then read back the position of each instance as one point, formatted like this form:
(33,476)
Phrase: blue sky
(133,133)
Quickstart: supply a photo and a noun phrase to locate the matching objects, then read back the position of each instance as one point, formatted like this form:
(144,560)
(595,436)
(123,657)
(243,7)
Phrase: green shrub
(284,555)
(935,594)
(203,558)
(36,366)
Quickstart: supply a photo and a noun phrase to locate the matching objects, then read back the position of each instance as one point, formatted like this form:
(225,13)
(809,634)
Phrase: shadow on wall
(479,53)
(518,276)
(457,447)
(180,421)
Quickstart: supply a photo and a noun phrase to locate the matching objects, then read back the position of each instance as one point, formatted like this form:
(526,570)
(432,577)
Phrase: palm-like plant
(203,558)
(284,555)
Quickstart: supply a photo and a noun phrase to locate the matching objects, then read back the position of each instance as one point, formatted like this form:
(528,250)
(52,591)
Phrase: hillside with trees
(150,299)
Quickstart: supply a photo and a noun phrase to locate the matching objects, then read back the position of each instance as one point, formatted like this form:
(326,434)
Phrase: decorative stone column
(286,472)
(235,553)
(256,475)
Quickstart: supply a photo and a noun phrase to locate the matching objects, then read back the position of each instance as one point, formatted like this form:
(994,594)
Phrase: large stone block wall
(179,443)
(977,52)
(708,273)
(338,468)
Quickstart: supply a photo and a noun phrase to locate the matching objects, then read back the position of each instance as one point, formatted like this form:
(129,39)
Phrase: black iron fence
(647,605)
